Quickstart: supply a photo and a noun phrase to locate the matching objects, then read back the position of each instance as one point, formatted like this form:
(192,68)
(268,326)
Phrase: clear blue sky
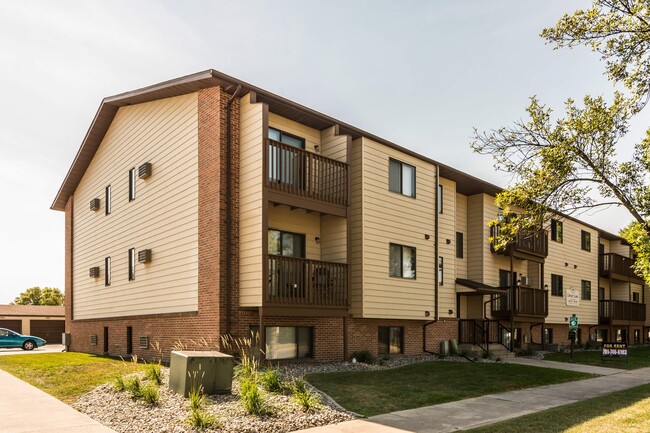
(419,73)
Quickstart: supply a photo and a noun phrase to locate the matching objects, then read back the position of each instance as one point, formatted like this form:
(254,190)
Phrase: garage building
(44,321)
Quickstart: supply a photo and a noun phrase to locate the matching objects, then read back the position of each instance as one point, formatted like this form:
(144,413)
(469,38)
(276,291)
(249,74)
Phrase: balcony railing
(527,302)
(612,263)
(303,282)
(306,174)
(535,243)
(609,310)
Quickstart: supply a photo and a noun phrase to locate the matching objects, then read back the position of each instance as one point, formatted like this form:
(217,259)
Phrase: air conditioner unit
(94,272)
(144,342)
(144,171)
(525,281)
(144,256)
(94,204)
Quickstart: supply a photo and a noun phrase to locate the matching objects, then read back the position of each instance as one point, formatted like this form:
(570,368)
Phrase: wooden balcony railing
(527,302)
(303,282)
(535,243)
(612,263)
(609,310)
(306,174)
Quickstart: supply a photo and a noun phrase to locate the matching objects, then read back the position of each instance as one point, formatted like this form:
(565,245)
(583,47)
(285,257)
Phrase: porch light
(545,286)
(317,239)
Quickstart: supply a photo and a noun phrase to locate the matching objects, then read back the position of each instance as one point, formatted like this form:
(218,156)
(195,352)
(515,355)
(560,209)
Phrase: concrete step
(496,350)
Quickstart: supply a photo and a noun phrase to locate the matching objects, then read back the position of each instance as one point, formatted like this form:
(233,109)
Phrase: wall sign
(572,297)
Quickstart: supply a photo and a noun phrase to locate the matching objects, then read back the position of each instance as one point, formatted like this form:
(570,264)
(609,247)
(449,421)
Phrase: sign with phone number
(614,350)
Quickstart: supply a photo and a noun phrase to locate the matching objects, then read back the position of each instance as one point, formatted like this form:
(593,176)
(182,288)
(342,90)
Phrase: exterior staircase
(496,351)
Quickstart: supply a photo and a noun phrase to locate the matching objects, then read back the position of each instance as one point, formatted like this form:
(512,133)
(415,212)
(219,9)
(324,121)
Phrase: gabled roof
(32,310)
(465,183)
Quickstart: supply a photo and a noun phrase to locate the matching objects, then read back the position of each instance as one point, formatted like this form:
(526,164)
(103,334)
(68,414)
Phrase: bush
(134,387)
(196,398)
(364,356)
(153,373)
(149,394)
(304,396)
(118,383)
(272,380)
(252,398)
(199,419)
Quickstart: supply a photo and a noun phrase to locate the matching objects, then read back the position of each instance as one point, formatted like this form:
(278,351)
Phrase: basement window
(289,342)
(391,339)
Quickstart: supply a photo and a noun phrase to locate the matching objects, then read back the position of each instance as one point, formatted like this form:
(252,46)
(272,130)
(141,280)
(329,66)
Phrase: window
(601,293)
(401,178)
(601,335)
(635,297)
(548,335)
(286,244)
(637,336)
(286,138)
(441,270)
(391,339)
(132,260)
(586,290)
(459,245)
(132,178)
(506,278)
(286,166)
(585,239)
(557,285)
(108,199)
(439,198)
(402,261)
(287,342)
(107,271)
(556,231)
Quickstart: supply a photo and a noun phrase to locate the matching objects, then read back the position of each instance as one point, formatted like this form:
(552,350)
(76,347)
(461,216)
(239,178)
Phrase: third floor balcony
(296,176)
(526,244)
(617,267)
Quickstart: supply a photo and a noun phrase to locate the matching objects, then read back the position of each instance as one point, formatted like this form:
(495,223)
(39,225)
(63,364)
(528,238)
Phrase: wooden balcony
(304,283)
(300,178)
(529,245)
(617,267)
(610,311)
(528,302)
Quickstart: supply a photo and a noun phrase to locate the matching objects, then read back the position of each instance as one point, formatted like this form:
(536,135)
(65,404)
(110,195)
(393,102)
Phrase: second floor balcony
(527,302)
(610,311)
(525,244)
(305,175)
(617,267)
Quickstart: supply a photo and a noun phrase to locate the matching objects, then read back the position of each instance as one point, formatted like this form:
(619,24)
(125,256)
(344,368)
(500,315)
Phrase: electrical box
(189,369)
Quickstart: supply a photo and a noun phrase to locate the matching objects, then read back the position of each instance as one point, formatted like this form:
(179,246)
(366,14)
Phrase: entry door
(286,166)
(286,276)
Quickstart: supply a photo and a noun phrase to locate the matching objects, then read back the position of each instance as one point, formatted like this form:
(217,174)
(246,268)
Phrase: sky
(422,74)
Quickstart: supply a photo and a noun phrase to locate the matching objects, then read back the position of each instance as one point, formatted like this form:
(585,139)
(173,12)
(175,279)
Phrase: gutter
(229,209)
(436,264)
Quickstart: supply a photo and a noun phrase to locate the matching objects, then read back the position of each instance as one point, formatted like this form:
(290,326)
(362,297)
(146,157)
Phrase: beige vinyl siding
(636,288)
(334,146)
(250,203)
(447,232)
(606,245)
(311,135)
(300,222)
(475,237)
(391,217)
(334,232)
(620,291)
(163,217)
(356,236)
(562,260)
(618,248)
(461,226)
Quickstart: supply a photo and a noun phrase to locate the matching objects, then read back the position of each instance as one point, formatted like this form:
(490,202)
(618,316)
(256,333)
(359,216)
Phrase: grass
(427,383)
(67,375)
(624,411)
(638,357)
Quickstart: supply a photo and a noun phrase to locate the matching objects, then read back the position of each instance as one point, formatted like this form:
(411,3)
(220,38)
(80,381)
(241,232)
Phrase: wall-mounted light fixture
(566,264)
(427,313)
(448,241)
(317,148)
(575,266)
(451,311)
(545,286)
(427,237)
(317,239)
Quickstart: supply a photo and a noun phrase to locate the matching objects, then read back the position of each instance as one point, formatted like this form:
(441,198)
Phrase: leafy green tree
(569,163)
(38,296)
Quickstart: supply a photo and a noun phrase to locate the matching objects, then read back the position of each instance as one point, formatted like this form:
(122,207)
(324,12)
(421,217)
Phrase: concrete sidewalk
(582,368)
(488,409)
(26,409)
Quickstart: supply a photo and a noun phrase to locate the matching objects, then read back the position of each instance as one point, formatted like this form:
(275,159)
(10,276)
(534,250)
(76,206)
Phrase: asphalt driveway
(48,348)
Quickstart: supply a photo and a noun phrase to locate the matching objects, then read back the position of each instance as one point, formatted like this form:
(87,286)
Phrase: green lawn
(67,375)
(638,357)
(624,411)
(427,383)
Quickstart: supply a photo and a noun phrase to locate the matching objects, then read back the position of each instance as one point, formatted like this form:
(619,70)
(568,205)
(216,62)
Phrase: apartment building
(205,206)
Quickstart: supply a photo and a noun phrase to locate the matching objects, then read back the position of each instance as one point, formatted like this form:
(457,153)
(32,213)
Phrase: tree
(569,164)
(38,296)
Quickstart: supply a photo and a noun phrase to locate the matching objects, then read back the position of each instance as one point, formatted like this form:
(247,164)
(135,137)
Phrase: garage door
(14,325)
(50,330)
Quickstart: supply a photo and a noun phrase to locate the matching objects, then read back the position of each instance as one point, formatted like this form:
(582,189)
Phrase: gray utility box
(190,369)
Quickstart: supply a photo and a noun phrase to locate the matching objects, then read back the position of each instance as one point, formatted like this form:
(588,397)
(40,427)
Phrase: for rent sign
(614,350)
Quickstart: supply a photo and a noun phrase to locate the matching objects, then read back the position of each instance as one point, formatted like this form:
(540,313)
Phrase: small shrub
(153,373)
(304,396)
(272,380)
(149,394)
(252,398)
(134,387)
(364,356)
(196,398)
(298,385)
(199,419)
(118,383)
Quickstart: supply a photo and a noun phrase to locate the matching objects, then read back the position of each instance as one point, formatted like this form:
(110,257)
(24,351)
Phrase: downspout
(436,264)
(229,209)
